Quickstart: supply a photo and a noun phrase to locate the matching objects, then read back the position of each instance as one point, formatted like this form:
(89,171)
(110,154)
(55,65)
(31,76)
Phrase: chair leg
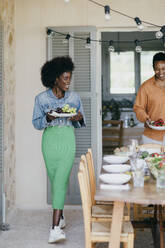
(131,241)
(92,245)
(136,212)
(125,245)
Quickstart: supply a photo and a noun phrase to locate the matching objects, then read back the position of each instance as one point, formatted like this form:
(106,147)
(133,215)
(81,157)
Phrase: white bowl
(115,178)
(116,168)
(113,159)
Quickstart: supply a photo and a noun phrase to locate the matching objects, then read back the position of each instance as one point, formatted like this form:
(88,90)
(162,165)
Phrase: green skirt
(58,148)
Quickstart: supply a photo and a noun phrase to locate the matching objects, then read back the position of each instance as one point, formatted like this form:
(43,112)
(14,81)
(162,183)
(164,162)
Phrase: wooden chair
(99,209)
(97,232)
(141,212)
(112,131)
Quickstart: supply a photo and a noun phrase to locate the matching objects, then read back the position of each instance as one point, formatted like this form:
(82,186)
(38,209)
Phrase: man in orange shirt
(150,101)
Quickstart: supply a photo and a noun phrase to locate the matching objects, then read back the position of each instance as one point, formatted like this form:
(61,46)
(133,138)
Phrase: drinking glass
(160,182)
(134,144)
(132,154)
(138,173)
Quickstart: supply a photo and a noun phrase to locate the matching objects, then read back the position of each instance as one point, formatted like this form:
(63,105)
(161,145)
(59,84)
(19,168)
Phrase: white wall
(32,17)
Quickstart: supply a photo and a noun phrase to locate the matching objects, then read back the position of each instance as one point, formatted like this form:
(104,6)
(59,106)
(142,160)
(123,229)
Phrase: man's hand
(148,121)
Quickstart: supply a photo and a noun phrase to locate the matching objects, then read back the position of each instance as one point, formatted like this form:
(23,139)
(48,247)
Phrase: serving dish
(114,159)
(115,178)
(116,168)
(55,114)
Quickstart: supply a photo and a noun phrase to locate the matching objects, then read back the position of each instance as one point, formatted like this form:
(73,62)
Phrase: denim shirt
(46,101)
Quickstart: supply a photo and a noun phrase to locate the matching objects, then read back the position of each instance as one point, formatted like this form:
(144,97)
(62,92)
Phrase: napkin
(114,186)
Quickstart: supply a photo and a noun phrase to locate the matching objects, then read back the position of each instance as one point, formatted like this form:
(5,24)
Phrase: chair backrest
(91,171)
(84,162)
(85,196)
(112,132)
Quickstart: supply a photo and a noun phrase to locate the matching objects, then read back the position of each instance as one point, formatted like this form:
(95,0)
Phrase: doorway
(124,70)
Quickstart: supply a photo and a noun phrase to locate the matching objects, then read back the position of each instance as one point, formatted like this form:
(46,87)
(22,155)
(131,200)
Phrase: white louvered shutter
(84,84)
(1,118)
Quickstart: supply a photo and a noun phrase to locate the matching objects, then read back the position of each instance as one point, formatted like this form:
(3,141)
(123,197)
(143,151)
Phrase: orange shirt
(150,103)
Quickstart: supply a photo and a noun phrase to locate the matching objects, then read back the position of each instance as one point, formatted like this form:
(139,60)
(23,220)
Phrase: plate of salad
(156,162)
(157,125)
(65,111)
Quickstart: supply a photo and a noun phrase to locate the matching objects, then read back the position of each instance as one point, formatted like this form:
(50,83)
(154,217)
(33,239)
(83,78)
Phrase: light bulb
(140,27)
(111,49)
(49,32)
(107,17)
(67,1)
(66,40)
(139,23)
(88,43)
(138,49)
(159,35)
(107,12)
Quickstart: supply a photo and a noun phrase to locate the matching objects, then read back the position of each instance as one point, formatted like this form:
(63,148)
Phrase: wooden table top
(149,194)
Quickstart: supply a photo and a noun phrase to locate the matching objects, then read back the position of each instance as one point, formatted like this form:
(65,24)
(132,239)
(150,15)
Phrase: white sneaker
(56,235)
(62,223)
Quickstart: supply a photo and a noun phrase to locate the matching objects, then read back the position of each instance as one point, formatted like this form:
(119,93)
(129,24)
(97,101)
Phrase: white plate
(54,113)
(116,168)
(114,159)
(157,127)
(115,178)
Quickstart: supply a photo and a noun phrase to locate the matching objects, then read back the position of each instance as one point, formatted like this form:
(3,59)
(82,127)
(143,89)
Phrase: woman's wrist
(47,118)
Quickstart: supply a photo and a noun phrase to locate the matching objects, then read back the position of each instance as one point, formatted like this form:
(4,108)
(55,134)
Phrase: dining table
(149,194)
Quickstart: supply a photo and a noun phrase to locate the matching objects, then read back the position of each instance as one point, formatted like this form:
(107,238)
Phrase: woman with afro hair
(58,139)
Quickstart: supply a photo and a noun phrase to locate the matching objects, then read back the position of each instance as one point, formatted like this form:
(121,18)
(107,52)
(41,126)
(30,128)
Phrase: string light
(110,43)
(139,23)
(107,12)
(138,48)
(66,40)
(160,33)
(88,43)
(111,47)
(125,15)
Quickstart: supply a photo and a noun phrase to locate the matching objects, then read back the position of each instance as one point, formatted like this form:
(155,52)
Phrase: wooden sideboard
(129,133)
(132,133)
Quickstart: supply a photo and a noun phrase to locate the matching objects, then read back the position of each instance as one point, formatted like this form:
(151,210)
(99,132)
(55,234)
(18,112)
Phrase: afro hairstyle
(52,69)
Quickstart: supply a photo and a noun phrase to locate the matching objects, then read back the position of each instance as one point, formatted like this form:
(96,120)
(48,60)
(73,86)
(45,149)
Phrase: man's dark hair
(52,69)
(158,57)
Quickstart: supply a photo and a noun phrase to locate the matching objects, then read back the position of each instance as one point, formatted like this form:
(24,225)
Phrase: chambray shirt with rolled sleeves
(46,101)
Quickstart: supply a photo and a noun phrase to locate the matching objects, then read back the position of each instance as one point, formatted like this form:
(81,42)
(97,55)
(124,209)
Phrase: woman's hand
(77,117)
(49,117)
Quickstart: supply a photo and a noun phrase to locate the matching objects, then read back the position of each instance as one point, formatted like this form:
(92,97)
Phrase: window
(122,78)
(124,70)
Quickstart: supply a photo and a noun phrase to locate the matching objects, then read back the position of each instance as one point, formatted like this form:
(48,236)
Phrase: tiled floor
(30,229)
